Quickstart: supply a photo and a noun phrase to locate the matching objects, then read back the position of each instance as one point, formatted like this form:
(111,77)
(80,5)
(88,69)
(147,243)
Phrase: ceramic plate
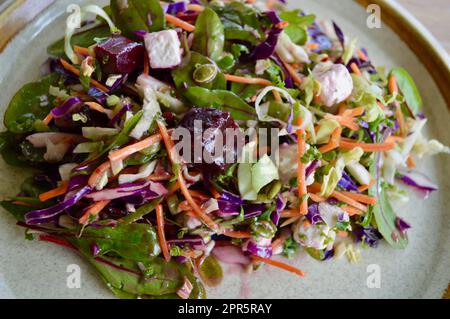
(38,270)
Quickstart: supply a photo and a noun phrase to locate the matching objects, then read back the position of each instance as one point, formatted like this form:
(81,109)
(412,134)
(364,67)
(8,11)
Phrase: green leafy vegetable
(221,99)
(133,15)
(209,37)
(298,25)
(211,272)
(31,103)
(409,89)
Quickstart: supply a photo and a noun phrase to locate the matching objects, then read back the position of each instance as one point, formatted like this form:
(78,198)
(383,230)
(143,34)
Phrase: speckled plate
(38,270)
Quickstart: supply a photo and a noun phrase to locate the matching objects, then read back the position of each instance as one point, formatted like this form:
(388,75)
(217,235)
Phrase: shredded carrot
(214,192)
(393,89)
(394,139)
(282,25)
(316,198)
(313,46)
(410,162)
(392,84)
(195,7)
(75,71)
(301,171)
(180,23)
(60,190)
(349,201)
(172,189)
(182,183)
(134,148)
(81,50)
(334,141)
(146,65)
(97,107)
(48,119)
(21,203)
(306,224)
(362,55)
(159,177)
(279,265)
(97,175)
(349,144)
(93,210)
(314,188)
(199,195)
(290,221)
(381,105)
(288,213)
(238,234)
(293,73)
(342,234)
(342,108)
(352,211)
(363,188)
(361,198)
(161,234)
(357,111)
(244,80)
(355,69)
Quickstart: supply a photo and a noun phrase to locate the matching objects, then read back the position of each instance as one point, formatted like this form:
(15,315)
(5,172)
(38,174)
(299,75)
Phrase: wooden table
(434,14)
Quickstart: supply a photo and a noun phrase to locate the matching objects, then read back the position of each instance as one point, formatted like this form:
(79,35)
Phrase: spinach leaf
(211,272)
(385,216)
(409,89)
(233,34)
(32,102)
(133,15)
(209,36)
(238,14)
(17,211)
(183,75)
(84,39)
(297,28)
(221,99)
(245,91)
(130,241)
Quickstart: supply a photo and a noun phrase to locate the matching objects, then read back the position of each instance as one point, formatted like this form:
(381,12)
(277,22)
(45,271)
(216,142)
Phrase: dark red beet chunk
(119,55)
(213,122)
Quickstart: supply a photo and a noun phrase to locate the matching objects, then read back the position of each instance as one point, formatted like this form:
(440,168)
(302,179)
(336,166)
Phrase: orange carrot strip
(363,188)
(97,175)
(313,46)
(362,56)
(21,203)
(60,190)
(97,107)
(410,162)
(314,188)
(48,119)
(282,25)
(93,210)
(361,198)
(393,89)
(181,182)
(392,84)
(199,195)
(381,105)
(134,148)
(290,221)
(214,192)
(316,198)
(288,213)
(301,172)
(293,73)
(75,71)
(394,139)
(357,111)
(238,234)
(352,211)
(342,108)
(367,147)
(334,141)
(342,234)
(355,69)
(279,265)
(180,23)
(161,234)
(349,201)
(241,79)
(81,50)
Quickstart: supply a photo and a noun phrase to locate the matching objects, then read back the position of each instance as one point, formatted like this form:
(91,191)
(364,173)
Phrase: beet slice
(119,55)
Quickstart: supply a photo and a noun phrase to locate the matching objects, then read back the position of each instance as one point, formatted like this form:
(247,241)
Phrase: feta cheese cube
(164,49)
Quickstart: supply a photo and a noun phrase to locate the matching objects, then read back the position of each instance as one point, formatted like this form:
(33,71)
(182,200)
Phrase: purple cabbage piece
(347,183)
(131,192)
(57,67)
(65,108)
(368,235)
(280,206)
(339,34)
(253,248)
(320,38)
(176,7)
(287,78)
(119,114)
(328,254)
(98,95)
(253,210)
(43,216)
(314,214)
(77,181)
(267,48)
(95,249)
(312,167)
(118,83)
(402,225)
(419,181)
(140,34)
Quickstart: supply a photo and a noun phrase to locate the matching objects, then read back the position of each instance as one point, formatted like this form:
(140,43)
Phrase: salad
(102,131)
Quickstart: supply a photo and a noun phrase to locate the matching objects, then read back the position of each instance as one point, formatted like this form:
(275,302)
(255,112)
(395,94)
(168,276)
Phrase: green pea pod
(209,36)
(133,15)
(221,99)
